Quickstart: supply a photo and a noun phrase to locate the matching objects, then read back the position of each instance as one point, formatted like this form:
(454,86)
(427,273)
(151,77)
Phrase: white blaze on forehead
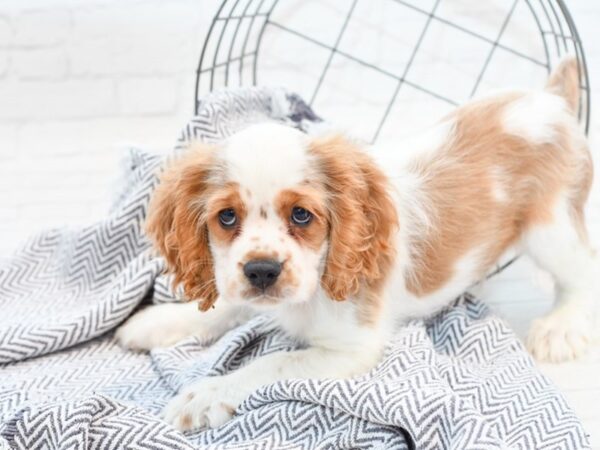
(266,158)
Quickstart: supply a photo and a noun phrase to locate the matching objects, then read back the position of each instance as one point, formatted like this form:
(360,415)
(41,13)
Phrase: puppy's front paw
(207,404)
(563,335)
(154,326)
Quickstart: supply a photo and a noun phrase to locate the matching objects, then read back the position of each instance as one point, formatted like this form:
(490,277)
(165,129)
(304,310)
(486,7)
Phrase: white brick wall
(41,28)
(40,64)
(78,77)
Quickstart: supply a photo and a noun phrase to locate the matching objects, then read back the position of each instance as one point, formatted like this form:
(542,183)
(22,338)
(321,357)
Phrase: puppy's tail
(564,82)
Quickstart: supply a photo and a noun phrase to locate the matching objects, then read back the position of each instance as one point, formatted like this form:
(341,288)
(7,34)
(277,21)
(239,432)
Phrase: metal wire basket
(396,41)
(384,65)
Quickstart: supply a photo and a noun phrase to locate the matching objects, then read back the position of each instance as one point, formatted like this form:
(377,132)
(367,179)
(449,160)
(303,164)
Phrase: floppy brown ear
(362,219)
(176,223)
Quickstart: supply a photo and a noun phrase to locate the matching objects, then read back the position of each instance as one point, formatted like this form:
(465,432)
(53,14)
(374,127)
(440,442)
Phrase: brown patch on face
(177,223)
(261,254)
(287,279)
(226,197)
(314,233)
(362,223)
(263,212)
(459,183)
(288,276)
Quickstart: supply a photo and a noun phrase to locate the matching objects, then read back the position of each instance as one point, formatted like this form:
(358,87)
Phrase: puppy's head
(270,215)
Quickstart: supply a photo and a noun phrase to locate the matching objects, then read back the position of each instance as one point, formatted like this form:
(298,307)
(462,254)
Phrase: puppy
(338,252)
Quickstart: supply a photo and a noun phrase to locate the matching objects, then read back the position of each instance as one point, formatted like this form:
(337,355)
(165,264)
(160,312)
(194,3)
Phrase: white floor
(76,77)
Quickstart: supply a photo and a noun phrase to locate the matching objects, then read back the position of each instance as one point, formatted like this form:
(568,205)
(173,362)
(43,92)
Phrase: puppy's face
(269,216)
(268,242)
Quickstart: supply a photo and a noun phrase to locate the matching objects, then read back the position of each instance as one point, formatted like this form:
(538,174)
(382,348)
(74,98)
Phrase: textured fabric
(461,380)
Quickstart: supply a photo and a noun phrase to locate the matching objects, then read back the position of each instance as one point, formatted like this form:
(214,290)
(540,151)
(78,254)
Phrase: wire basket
(381,67)
(417,51)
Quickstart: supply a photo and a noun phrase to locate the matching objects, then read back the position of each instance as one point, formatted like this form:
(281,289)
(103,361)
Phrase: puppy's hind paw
(562,335)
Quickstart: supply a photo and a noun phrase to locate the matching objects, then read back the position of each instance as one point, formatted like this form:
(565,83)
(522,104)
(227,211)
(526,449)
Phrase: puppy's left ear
(362,217)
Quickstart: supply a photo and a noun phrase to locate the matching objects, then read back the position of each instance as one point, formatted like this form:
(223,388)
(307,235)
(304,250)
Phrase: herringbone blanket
(461,380)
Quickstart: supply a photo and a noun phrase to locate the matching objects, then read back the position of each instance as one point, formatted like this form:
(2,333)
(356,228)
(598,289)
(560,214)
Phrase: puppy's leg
(561,248)
(212,401)
(164,325)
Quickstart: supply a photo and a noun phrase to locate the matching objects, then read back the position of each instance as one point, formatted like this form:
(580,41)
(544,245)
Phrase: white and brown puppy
(314,232)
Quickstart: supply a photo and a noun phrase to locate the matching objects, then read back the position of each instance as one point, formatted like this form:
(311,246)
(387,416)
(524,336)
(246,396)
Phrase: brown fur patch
(226,197)
(564,82)
(459,183)
(287,279)
(362,223)
(186,421)
(313,234)
(176,222)
(261,254)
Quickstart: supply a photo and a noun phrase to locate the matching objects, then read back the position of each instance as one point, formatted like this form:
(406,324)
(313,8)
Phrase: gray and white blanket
(461,380)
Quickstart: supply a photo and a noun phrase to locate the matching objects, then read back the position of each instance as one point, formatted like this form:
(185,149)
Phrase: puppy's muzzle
(262,273)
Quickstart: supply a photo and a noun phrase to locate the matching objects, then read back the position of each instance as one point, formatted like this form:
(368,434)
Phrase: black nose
(262,273)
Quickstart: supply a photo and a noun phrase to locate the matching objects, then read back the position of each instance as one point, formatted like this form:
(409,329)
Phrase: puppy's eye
(301,216)
(227,218)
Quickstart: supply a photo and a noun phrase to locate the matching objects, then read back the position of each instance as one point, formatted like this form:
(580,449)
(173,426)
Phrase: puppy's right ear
(176,223)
